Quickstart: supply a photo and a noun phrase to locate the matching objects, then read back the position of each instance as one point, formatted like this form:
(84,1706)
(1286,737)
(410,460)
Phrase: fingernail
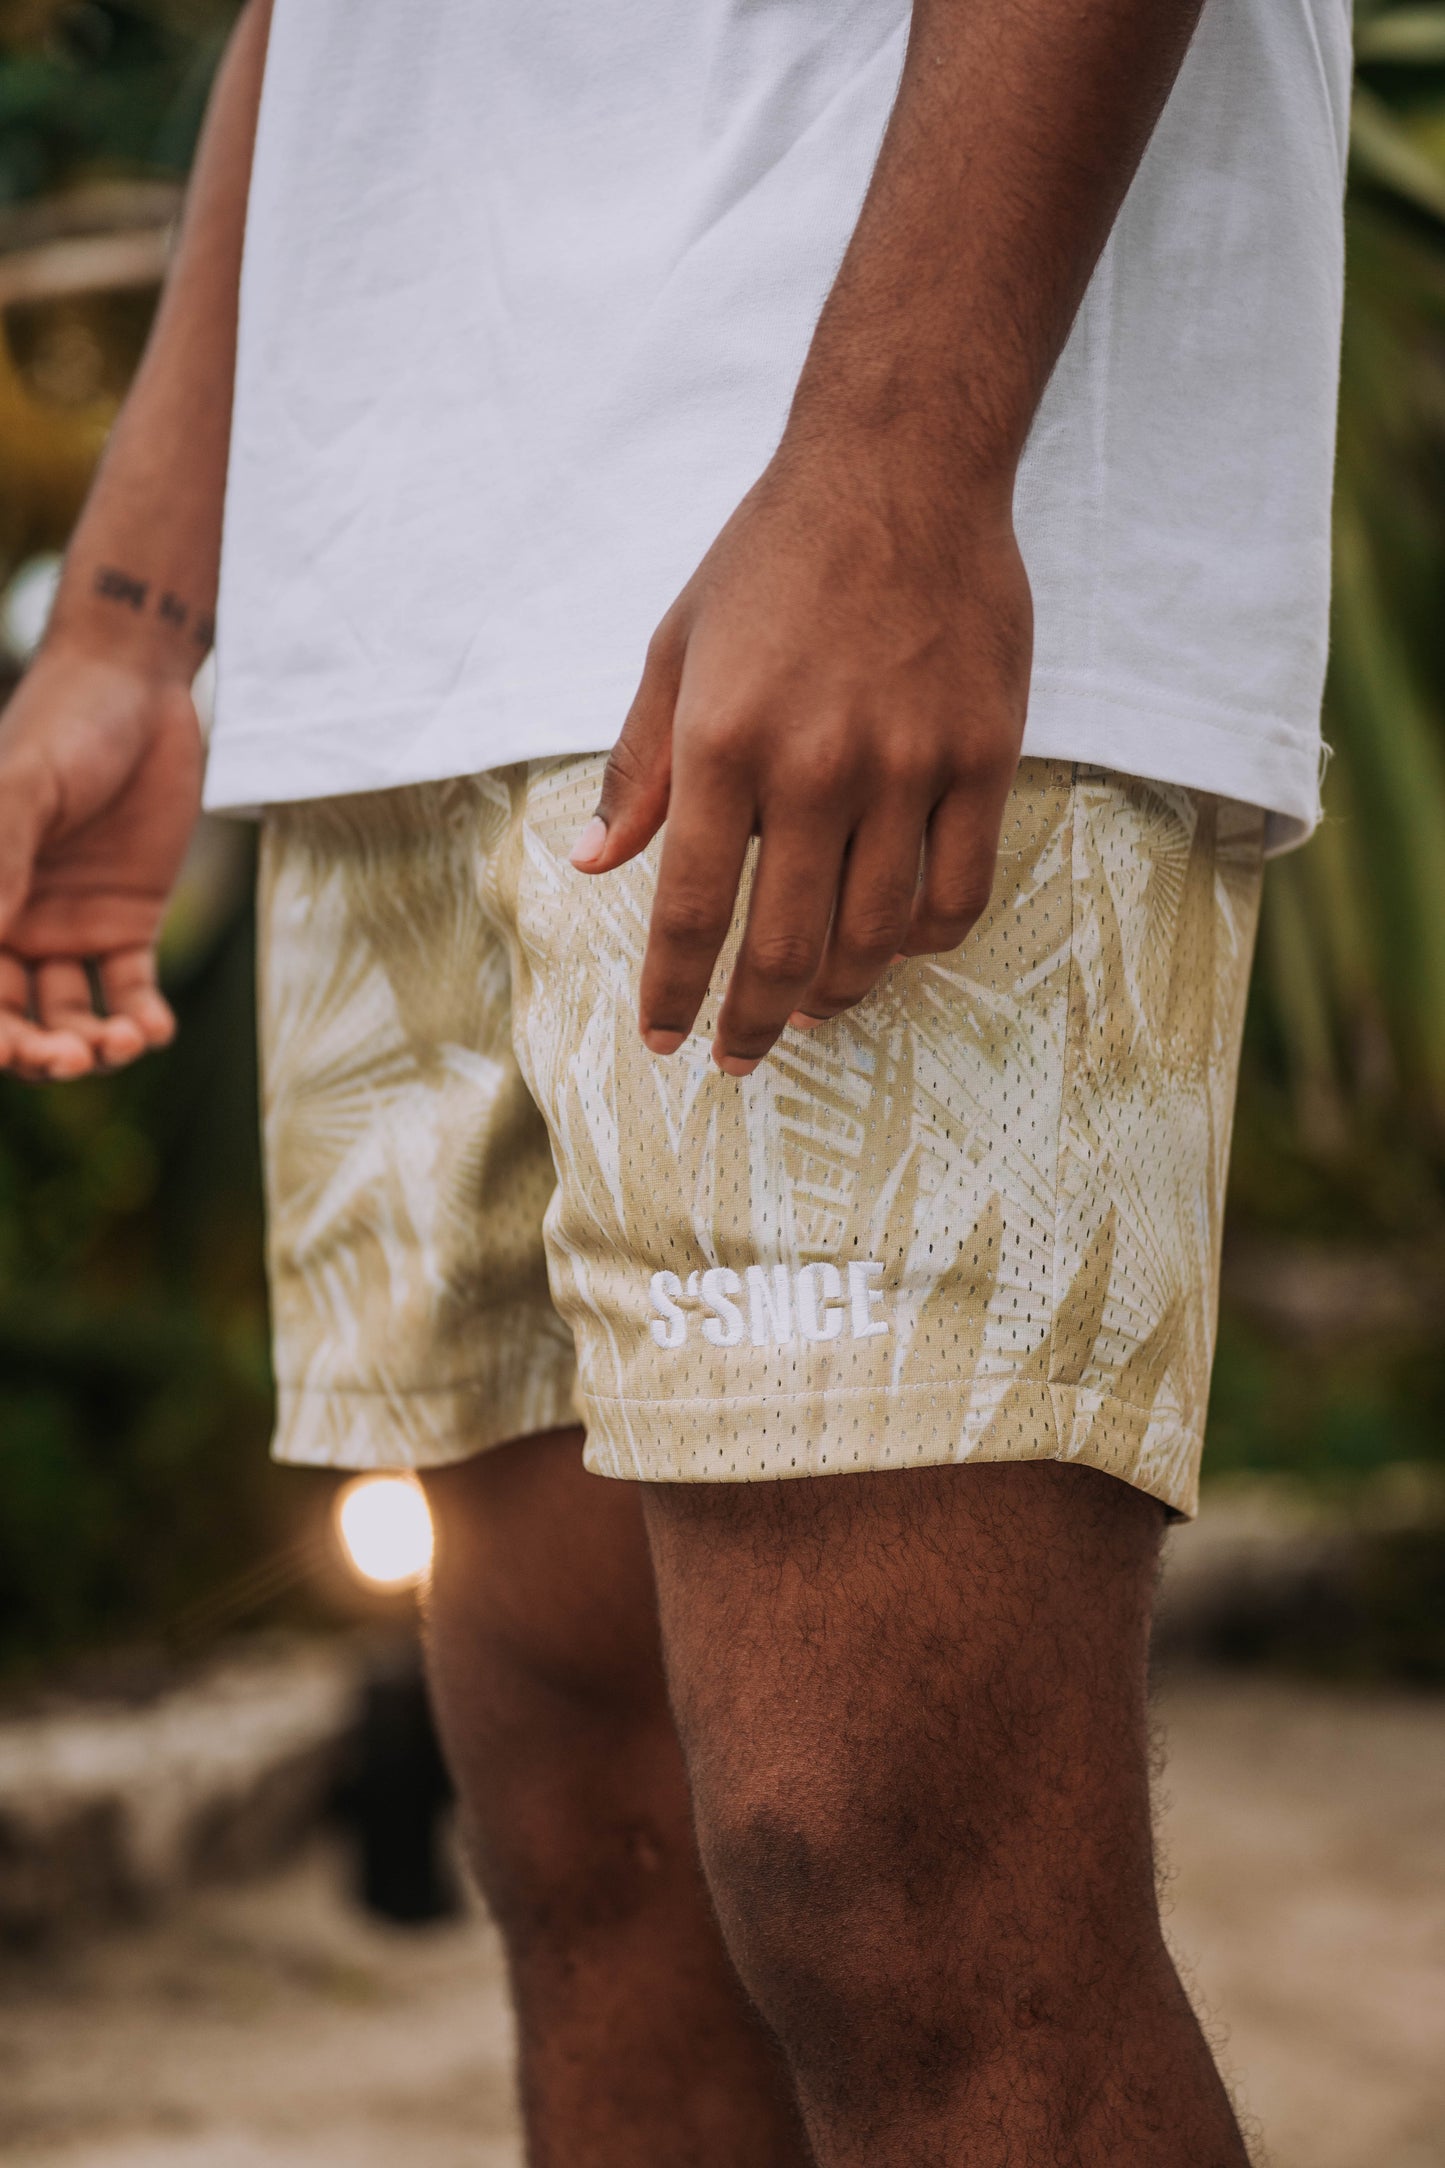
(589,844)
(735,1065)
(800,1022)
(663,1042)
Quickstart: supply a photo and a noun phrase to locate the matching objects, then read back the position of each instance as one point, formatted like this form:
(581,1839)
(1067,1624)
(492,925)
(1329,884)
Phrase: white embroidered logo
(777,1306)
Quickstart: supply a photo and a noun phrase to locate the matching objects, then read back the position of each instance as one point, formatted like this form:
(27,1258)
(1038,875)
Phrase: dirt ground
(268,2026)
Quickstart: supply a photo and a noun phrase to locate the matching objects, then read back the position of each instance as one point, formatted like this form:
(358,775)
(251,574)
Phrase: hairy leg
(914,1712)
(637,2043)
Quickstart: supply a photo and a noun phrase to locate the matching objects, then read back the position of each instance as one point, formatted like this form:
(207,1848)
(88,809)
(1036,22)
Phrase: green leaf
(1406,35)
(1382,152)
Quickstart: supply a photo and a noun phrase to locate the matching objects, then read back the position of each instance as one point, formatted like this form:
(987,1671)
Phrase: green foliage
(1333,1415)
(1353,942)
(134,1397)
(1340,1143)
(134,1393)
(103,86)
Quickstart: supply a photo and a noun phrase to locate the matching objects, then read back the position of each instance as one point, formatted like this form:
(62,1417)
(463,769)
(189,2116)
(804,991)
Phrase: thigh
(902,1689)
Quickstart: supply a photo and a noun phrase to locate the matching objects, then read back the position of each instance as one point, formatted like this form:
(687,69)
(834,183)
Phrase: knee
(815,1893)
(572,1800)
(885,1923)
(573,1805)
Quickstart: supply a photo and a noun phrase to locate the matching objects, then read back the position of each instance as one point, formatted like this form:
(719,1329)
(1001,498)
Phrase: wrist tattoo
(134,594)
(119,586)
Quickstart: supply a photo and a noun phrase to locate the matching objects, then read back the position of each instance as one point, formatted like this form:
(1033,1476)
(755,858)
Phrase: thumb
(638,776)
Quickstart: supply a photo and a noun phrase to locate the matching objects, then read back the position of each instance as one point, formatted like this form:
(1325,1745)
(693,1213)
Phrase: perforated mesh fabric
(976,1218)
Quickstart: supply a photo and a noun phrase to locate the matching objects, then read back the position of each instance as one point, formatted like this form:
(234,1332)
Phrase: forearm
(1017,129)
(141,571)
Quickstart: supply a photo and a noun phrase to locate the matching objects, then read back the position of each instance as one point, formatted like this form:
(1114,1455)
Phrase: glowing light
(385,1530)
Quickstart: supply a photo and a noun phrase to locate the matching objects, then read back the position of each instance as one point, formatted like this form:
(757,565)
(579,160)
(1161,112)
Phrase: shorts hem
(920,1426)
(360,1428)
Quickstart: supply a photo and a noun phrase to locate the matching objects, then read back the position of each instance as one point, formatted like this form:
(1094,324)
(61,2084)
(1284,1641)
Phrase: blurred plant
(75,308)
(1352,989)
(134,1393)
(100,104)
(97,88)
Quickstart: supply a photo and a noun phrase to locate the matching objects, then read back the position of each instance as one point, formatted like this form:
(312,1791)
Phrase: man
(832,355)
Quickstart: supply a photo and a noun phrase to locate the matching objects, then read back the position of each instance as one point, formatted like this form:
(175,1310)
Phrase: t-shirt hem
(1261,760)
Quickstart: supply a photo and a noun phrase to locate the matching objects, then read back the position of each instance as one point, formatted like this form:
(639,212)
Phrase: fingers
(827,916)
(702,861)
(787,930)
(134,1001)
(875,905)
(51,1029)
(958,869)
(26,1049)
(637,779)
(64,1007)
(886,912)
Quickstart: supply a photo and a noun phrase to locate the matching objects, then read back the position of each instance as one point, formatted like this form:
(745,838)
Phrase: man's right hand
(100,750)
(100,777)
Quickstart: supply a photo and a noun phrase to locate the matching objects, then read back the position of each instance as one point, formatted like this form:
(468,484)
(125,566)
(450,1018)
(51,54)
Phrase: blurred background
(155,1570)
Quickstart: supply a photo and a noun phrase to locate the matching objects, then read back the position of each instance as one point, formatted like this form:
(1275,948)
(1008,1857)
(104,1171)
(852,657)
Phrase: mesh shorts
(977,1218)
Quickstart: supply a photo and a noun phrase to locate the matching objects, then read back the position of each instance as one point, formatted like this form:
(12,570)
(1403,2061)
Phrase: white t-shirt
(527,287)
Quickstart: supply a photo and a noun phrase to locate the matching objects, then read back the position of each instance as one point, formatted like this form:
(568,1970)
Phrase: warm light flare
(385,1530)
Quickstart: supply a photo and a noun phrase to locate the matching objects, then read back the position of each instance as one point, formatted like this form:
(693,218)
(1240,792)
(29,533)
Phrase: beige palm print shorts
(976,1219)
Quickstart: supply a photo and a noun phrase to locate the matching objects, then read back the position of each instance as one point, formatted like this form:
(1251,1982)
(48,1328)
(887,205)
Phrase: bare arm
(847,671)
(100,755)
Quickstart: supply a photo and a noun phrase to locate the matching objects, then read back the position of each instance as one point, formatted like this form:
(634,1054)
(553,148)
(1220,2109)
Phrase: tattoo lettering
(134,593)
(121,587)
